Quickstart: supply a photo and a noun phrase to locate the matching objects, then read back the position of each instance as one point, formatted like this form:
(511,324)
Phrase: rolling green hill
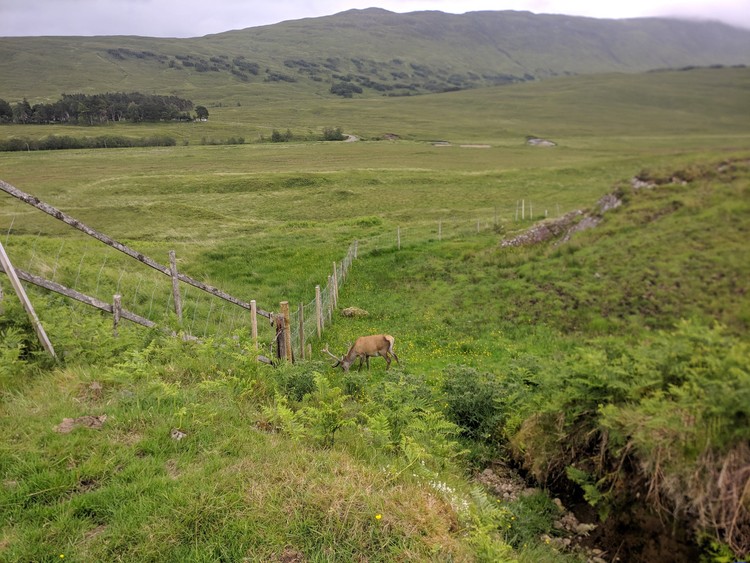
(364,52)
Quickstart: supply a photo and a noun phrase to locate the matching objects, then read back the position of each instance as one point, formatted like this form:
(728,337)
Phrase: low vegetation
(607,374)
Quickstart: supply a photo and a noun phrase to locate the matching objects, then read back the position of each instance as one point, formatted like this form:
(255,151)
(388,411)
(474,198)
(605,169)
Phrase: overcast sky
(195,18)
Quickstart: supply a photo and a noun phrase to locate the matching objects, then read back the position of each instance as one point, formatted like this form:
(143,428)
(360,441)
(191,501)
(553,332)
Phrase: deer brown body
(364,348)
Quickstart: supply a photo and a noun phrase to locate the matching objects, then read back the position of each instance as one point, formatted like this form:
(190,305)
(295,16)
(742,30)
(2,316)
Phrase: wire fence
(71,274)
(309,320)
(200,310)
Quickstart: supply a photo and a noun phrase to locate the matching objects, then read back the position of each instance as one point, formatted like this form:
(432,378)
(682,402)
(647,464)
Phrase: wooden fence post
(175,285)
(284,307)
(16,284)
(254,322)
(301,331)
(116,313)
(398,237)
(330,300)
(356,244)
(318,311)
(278,320)
(335,286)
(440,231)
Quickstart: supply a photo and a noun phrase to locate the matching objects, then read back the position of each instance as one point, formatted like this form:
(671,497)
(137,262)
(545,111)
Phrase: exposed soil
(566,226)
(634,534)
(68,424)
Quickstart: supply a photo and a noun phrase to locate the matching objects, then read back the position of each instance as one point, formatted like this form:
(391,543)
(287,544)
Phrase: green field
(610,365)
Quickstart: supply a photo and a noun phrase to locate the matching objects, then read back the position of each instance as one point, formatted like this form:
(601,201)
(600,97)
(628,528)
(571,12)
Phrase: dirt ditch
(633,534)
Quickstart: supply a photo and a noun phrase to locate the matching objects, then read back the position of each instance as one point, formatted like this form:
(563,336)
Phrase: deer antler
(338,360)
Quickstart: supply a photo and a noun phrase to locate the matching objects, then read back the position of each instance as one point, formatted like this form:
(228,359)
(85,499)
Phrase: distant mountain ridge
(366,52)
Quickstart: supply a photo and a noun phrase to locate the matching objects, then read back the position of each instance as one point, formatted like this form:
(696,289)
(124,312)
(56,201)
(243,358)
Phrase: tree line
(85,109)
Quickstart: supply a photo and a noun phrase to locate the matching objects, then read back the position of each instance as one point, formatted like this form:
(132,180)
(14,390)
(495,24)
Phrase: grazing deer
(364,348)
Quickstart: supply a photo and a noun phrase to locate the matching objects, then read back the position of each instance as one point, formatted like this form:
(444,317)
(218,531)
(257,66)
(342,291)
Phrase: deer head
(338,360)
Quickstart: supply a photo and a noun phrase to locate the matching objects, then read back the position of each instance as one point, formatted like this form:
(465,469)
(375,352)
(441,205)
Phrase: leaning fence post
(284,307)
(16,284)
(318,311)
(301,331)
(175,285)
(254,322)
(116,313)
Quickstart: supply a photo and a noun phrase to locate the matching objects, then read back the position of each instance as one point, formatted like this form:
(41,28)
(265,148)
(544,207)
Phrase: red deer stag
(364,348)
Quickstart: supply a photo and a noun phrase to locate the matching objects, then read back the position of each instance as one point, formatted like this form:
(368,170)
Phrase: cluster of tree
(61,142)
(333,134)
(345,89)
(84,109)
(329,134)
(278,137)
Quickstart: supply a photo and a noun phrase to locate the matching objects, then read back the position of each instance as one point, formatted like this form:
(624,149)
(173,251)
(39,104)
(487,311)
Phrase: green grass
(250,197)
(130,492)
(298,461)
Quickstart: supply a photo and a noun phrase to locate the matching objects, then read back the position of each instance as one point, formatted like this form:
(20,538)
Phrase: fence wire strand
(216,320)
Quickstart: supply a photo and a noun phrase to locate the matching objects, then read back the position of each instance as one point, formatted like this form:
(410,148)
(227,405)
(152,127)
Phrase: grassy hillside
(611,369)
(608,367)
(549,356)
(378,51)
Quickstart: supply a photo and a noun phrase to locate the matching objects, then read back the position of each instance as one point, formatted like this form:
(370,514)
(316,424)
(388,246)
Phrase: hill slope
(157,449)
(373,51)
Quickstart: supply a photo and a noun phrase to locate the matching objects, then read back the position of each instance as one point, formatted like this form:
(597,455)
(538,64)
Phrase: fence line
(115,308)
(295,326)
(309,320)
(166,270)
